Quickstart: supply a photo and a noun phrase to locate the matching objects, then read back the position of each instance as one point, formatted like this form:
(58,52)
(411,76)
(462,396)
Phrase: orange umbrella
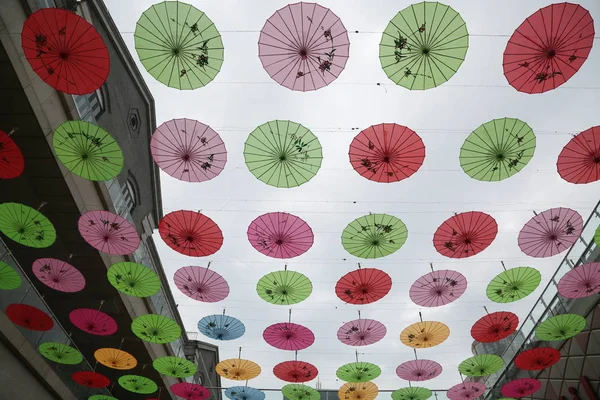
(115,358)
(238,369)
(425,334)
(358,391)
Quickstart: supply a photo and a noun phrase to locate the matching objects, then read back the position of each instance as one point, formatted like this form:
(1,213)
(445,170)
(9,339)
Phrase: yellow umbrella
(238,369)
(115,358)
(425,334)
(358,391)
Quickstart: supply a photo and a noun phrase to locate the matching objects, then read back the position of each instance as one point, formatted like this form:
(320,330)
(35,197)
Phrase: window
(90,106)
(130,194)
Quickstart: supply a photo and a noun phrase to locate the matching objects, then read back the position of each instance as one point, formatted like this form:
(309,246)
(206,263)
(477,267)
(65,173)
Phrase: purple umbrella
(419,370)
(280,235)
(438,288)
(551,232)
(201,284)
(466,391)
(580,282)
(361,332)
(108,232)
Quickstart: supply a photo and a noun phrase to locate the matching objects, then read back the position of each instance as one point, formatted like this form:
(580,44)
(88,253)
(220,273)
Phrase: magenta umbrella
(466,391)
(58,275)
(361,332)
(108,232)
(93,321)
(201,284)
(582,281)
(521,387)
(419,370)
(188,150)
(289,336)
(280,235)
(304,46)
(438,288)
(551,232)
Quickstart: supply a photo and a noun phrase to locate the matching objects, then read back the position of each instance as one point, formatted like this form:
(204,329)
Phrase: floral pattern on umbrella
(551,232)
(295,371)
(374,236)
(221,327)
(238,369)
(537,359)
(466,391)
(294,391)
(280,235)
(156,328)
(115,358)
(174,366)
(579,160)
(581,281)
(358,391)
(90,379)
(92,321)
(521,387)
(438,288)
(358,372)
(29,317)
(190,391)
(26,226)
(133,279)
(419,370)
(190,233)
(513,284)
(284,287)
(363,286)
(560,327)
(361,332)
(12,162)
(495,326)
(9,277)
(58,275)
(244,393)
(201,284)
(425,334)
(109,233)
(465,234)
(288,336)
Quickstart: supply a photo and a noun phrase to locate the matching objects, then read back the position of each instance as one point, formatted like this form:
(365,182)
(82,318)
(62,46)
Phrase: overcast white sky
(243,96)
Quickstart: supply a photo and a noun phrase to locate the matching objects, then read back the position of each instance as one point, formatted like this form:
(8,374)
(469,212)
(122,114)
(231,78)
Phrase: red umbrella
(537,359)
(438,288)
(65,51)
(551,232)
(363,286)
(548,48)
(280,235)
(361,332)
(58,275)
(110,233)
(91,379)
(466,391)
(190,233)
(295,371)
(521,387)
(29,317)
(12,162)
(580,282)
(201,284)
(93,321)
(190,391)
(289,336)
(495,326)
(387,153)
(465,234)
(419,370)
(579,160)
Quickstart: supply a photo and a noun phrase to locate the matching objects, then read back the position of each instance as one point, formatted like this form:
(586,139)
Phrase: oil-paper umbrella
(513,284)
(115,358)
(481,365)
(495,326)
(156,328)
(358,391)
(580,282)
(363,286)
(466,391)
(190,391)
(26,225)
(358,372)
(579,160)
(190,233)
(537,359)
(9,277)
(174,366)
(12,162)
(201,284)
(294,391)
(295,371)
(438,288)
(560,327)
(188,150)
(133,279)
(137,384)
(289,336)
(283,154)
(551,232)
(419,370)
(60,353)
(101,397)
(65,51)
(221,327)
(29,317)
(109,233)
(178,45)
(244,393)
(597,236)
(387,153)
(58,275)
(361,332)
(548,48)
(90,379)
(280,235)
(425,334)
(412,393)
(238,369)
(374,236)
(304,46)
(465,234)
(423,45)
(93,321)
(284,287)
(521,387)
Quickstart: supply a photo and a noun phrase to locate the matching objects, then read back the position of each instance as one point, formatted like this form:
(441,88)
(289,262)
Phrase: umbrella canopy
(521,387)
(190,233)
(29,317)
(9,277)
(465,234)
(560,327)
(280,235)
(548,48)
(387,153)
(93,321)
(137,384)
(178,45)
(174,366)
(101,397)
(303,46)
(295,371)
(412,393)
(363,286)
(438,288)
(289,336)
(537,359)
(65,51)
(423,45)
(551,232)
(221,327)
(26,226)
(284,287)
(513,284)
(238,369)
(294,391)
(495,326)
(109,233)
(419,370)
(497,149)
(188,150)
(190,391)
(466,391)
(361,332)
(133,279)
(91,379)
(597,236)
(58,275)
(156,328)
(12,162)
(374,236)
(115,358)
(244,393)
(580,282)
(481,365)
(358,372)
(358,391)
(579,160)
(283,154)
(201,284)
(60,353)
(425,334)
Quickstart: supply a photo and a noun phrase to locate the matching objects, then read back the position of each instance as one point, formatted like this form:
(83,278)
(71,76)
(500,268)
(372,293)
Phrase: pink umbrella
(188,150)
(304,46)
(551,232)
(580,282)
(289,336)
(108,232)
(419,370)
(58,275)
(361,332)
(438,288)
(93,321)
(280,235)
(466,391)
(201,284)
(521,387)
(190,391)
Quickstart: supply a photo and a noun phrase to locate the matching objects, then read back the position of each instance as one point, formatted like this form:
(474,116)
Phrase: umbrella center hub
(282,157)
(597,160)
(386,159)
(551,53)
(500,157)
(375,242)
(425,50)
(303,52)
(186,157)
(175,51)
(63,55)
(279,242)
(189,238)
(553,237)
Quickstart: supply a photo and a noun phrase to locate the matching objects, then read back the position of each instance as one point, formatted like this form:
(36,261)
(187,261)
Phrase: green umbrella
(481,365)
(513,284)
(411,393)
(174,366)
(60,353)
(26,225)
(423,46)
(295,391)
(597,236)
(179,45)
(283,154)
(374,236)
(137,384)
(155,328)
(101,397)
(284,287)
(560,327)
(9,277)
(497,149)
(87,150)
(133,279)
(358,372)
